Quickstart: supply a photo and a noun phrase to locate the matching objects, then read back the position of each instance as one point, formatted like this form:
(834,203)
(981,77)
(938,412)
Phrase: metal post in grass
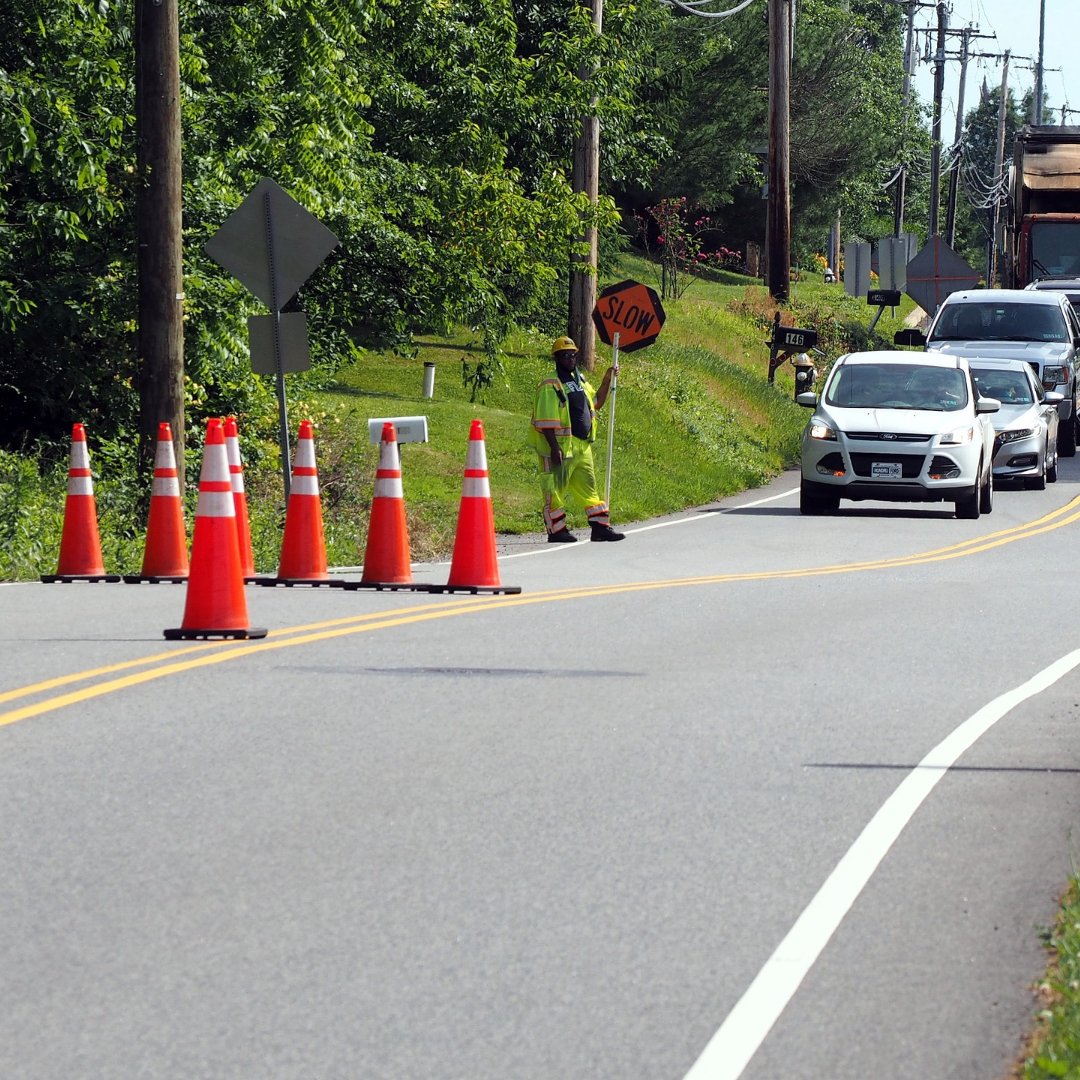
(611,417)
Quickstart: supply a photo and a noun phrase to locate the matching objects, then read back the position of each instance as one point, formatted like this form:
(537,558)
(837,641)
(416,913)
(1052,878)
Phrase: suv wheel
(986,496)
(813,502)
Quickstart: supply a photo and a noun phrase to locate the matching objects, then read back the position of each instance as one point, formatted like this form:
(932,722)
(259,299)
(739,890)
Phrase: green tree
(433,138)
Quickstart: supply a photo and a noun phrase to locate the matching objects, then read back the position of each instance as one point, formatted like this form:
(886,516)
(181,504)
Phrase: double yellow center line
(114,677)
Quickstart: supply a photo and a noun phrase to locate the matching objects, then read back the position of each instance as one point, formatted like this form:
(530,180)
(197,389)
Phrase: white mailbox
(408,428)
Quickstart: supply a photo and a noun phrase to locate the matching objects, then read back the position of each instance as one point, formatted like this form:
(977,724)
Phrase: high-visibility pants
(576,478)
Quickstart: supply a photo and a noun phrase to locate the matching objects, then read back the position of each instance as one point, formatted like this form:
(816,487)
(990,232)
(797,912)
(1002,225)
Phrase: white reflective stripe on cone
(236,468)
(80,456)
(476,455)
(305,454)
(80,485)
(165,485)
(389,458)
(304,484)
(476,487)
(215,504)
(215,487)
(389,487)
(163,456)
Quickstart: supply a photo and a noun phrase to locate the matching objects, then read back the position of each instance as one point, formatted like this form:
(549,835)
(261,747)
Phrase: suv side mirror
(910,338)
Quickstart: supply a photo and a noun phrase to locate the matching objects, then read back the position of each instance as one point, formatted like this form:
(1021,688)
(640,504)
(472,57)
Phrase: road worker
(562,435)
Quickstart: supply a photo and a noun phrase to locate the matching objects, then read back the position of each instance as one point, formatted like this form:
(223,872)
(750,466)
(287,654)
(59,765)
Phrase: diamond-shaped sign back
(271,244)
(936,272)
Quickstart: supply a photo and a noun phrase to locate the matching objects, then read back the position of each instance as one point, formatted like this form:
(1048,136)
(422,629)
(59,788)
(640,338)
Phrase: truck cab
(1042,218)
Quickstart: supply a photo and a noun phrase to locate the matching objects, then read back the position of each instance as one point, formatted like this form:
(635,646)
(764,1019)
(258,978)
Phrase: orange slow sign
(631,310)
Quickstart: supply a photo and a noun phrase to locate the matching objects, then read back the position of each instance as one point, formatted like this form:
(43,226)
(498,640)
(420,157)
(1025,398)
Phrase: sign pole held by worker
(630,314)
(611,415)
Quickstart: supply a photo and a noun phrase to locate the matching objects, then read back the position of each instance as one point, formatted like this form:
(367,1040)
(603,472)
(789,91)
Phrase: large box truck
(1042,219)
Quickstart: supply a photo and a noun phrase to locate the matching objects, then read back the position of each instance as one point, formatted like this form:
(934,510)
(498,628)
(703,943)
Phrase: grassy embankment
(696,419)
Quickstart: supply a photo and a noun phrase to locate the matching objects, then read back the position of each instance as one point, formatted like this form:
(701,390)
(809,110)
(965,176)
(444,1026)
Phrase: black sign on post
(791,338)
(787,341)
(884,297)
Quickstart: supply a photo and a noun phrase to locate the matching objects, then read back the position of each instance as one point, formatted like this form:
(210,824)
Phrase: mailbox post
(787,341)
(805,374)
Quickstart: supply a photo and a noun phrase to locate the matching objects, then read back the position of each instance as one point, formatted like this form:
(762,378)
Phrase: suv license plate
(886,470)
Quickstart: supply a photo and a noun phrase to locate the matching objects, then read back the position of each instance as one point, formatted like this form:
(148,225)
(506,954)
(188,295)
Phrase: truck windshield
(984,320)
(1055,248)
(898,386)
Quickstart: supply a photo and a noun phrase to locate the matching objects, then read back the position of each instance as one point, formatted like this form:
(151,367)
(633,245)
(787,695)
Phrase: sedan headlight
(820,430)
(1013,434)
(1053,376)
(959,437)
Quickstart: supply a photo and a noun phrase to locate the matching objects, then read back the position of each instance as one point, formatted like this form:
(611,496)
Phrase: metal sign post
(611,418)
(279,364)
(271,244)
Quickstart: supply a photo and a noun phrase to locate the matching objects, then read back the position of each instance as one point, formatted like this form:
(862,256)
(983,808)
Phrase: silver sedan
(1026,426)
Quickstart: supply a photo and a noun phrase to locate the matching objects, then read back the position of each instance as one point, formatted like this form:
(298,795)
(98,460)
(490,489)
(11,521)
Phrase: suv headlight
(820,430)
(959,437)
(1012,434)
(1053,376)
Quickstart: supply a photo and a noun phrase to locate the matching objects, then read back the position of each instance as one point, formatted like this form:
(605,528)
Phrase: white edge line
(661,524)
(744,1029)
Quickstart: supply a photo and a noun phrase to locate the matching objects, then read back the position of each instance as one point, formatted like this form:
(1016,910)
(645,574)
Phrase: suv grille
(886,436)
(911,464)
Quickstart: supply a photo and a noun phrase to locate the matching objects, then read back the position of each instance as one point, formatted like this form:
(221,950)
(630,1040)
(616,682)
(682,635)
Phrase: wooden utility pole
(586,178)
(909,60)
(778,226)
(1037,101)
(935,133)
(999,171)
(158,226)
(954,165)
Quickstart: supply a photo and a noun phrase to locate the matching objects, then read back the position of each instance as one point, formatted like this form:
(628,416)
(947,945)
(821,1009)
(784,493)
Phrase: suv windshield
(898,386)
(987,321)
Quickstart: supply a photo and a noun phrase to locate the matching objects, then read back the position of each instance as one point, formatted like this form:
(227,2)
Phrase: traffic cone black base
(185,634)
(509,590)
(51,578)
(154,579)
(314,583)
(388,586)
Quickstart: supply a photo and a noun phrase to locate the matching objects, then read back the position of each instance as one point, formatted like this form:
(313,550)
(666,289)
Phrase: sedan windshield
(898,386)
(988,321)
(1009,387)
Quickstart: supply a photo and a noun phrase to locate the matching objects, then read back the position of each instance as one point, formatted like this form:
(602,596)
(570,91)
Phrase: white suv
(1038,327)
(899,426)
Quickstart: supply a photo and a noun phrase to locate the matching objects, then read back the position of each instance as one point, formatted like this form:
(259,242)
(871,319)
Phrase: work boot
(606,532)
(563,536)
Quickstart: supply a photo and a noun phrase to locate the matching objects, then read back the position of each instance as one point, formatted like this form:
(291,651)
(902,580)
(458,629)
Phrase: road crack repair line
(183,660)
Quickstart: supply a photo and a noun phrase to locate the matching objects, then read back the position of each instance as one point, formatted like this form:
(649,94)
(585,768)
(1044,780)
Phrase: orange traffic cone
(387,563)
(165,556)
(303,548)
(236,473)
(215,604)
(474,566)
(80,543)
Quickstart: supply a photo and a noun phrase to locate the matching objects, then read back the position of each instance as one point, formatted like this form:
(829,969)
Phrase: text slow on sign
(631,310)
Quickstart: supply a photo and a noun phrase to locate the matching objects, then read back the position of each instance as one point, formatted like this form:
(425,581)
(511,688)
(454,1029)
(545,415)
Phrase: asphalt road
(749,794)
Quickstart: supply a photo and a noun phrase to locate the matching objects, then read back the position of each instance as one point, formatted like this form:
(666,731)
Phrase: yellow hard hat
(563,344)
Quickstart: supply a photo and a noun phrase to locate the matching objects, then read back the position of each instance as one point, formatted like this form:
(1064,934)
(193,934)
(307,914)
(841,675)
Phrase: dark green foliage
(435,140)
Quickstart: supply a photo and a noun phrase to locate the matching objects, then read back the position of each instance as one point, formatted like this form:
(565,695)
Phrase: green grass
(1053,1051)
